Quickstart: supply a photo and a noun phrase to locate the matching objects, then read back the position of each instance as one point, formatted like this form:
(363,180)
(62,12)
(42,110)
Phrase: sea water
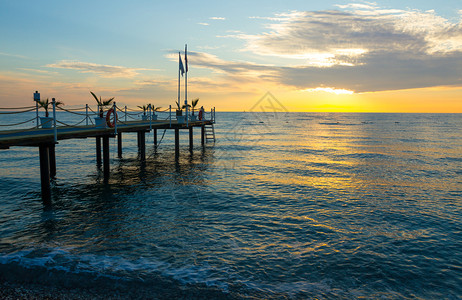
(282,205)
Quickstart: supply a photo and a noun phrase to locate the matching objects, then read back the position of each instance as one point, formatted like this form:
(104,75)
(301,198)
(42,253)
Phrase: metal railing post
(170,115)
(150,117)
(125,113)
(114,107)
(54,120)
(36,99)
(86,113)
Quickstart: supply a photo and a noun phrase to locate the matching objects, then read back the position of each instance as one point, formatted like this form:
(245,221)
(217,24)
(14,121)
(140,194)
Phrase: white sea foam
(67,260)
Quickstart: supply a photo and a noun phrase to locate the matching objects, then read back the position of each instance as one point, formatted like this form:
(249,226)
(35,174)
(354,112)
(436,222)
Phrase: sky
(313,56)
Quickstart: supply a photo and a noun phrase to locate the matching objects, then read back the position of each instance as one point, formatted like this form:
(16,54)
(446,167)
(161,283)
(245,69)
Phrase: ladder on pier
(209,132)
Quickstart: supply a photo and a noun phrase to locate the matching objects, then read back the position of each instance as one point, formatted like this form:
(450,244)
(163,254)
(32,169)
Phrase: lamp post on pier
(36,99)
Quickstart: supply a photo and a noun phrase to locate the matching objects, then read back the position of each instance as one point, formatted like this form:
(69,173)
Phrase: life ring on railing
(110,123)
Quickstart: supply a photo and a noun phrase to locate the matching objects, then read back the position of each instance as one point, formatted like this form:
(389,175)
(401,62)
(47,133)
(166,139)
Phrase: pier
(48,134)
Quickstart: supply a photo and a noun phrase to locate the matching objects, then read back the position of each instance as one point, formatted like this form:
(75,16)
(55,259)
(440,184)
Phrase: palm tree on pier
(45,104)
(102,103)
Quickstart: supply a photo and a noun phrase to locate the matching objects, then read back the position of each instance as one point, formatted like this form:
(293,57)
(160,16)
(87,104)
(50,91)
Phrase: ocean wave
(297,210)
(64,267)
(111,267)
(366,155)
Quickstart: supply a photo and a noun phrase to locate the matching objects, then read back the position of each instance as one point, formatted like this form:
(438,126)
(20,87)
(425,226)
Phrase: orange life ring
(108,118)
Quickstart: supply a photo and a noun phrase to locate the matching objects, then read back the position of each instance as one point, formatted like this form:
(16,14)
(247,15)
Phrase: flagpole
(179,63)
(186,77)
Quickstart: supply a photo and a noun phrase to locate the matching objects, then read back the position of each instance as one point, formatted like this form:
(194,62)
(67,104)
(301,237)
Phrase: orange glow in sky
(316,57)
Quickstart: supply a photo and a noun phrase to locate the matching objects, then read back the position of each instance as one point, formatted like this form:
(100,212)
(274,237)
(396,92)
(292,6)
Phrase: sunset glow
(384,56)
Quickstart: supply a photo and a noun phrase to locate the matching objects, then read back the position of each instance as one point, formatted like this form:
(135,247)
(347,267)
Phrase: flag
(186,56)
(181,65)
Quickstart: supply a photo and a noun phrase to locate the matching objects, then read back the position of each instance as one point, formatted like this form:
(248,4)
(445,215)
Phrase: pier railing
(17,111)
(86,116)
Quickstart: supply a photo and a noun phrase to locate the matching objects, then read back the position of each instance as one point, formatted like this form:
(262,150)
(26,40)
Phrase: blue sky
(238,48)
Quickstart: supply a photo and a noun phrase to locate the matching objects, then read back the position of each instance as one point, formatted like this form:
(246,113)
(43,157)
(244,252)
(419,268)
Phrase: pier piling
(45,174)
(203,135)
(177,142)
(142,144)
(119,145)
(190,138)
(106,156)
(98,151)
(52,160)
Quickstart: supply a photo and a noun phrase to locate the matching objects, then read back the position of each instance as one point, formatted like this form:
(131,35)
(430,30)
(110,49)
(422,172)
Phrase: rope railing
(47,123)
(91,116)
(132,114)
(16,112)
(136,114)
(16,108)
(133,109)
(72,112)
(119,109)
(92,110)
(137,110)
(73,125)
(16,124)
(131,117)
(165,110)
(71,109)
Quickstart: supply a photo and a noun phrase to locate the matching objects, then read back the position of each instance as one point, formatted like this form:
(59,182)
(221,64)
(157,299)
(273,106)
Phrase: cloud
(211,18)
(361,47)
(229,76)
(207,47)
(102,70)
(365,5)
(304,35)
(13,55)
(46,72)
(329,90)
(380,73)
(154,82)
(210,61)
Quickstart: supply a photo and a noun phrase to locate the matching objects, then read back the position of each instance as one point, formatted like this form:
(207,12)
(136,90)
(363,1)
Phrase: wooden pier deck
(37,136)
